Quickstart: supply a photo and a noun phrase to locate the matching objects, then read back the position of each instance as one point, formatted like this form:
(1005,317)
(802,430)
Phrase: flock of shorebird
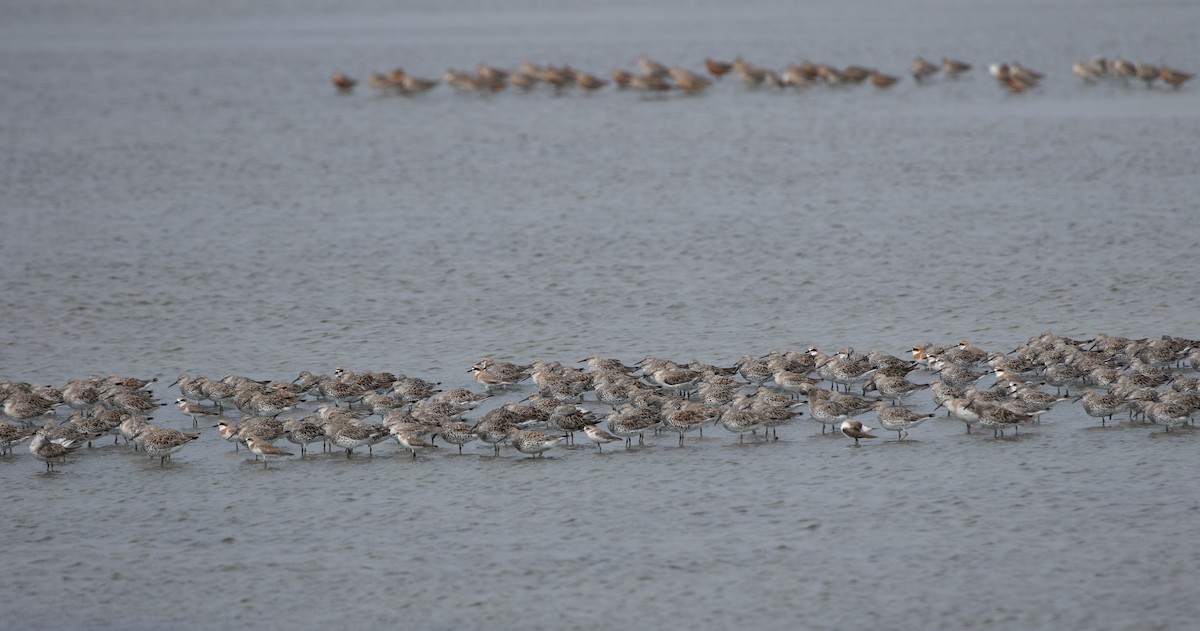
(1145,377)
(653,77)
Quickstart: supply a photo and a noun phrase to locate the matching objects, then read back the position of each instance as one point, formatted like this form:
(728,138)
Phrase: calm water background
(183,191)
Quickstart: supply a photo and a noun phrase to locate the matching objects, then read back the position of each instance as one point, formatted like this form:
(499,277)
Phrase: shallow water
(184,192)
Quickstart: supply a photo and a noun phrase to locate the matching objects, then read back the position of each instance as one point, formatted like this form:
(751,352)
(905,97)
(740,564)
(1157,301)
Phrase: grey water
(184,191)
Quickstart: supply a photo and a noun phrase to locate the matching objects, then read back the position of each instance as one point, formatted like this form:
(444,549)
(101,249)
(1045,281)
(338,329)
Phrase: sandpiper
(738,420)
(342,82)
(194,410)
(11,435)
(589,81)
(457,433)
(1173,77)
(47,451)
(598,436)
(533,443)
(629,421)
(852,428)
(682,417)
(162,441)
(898,419)
(688,81)
(953,67)
(262,447)
(922,69)
(302,432)
(754,370)
(412,441)
(716,68)
(880,80)
(1146,72)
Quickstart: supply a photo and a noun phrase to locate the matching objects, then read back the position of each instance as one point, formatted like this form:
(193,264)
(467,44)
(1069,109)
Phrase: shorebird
(412,85)
(688,81)
(965,355)
(596,363)
(648,83)
(880,80)
(66,435)
(1024,73)
(630,421)
(11,435)
(570,419)
(24,406)
(852,428)
(797,76)
(651,68)
(855,73)
(1124,70)
(461,398)
(533,443)
(598,436)
(302,432)
(588,81)
(457,433)
(739,419)
(824,410)
(1173,77)
(682,417)
(754,370)
(793,383)
(749,74)
(898,419)
(524,80)
(893,387)
(506,371)
(996,416)
(954,375)
(162,441)
(832,76)
(412,441)
(461,81)
(191,388)
(342,82)
(1086,72)
(846,368)
(717,69)
(350,435)
(81,395)
(1146,72)
(557,78)
(380,82)
(104,423)
(922,69)
(675,379)
(953,67)
(957,407)
(494,429)
(194,410)
(413,388)
(1032,395)
(1166,413)
(47,451)
(264,448)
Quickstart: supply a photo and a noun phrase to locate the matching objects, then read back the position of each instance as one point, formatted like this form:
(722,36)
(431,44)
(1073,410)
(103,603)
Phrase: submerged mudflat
(185,192)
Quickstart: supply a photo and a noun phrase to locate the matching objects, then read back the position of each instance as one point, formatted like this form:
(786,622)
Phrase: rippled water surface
(185,192)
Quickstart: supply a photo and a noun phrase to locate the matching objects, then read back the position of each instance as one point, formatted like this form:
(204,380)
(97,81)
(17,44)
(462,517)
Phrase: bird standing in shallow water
(47,451)
(852,428)
(264,448)
(533,443)
(598,436)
